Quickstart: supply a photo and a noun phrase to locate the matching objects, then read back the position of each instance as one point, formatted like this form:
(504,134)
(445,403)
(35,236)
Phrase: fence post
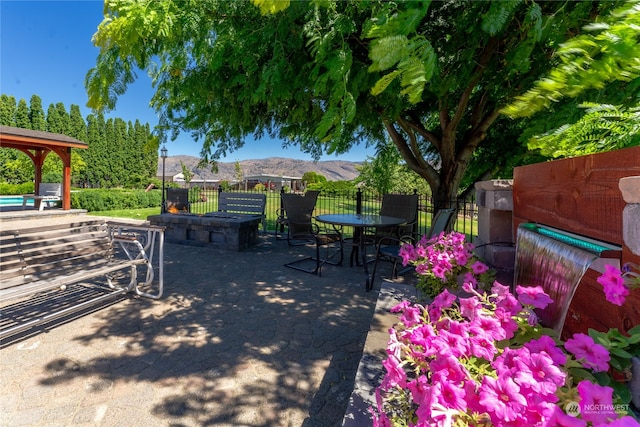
(281,210)
(359,201)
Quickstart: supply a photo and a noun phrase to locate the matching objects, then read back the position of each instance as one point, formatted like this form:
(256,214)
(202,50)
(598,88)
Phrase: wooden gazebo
(37,145)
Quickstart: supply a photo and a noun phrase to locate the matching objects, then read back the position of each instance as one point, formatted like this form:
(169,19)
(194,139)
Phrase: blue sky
(46,50)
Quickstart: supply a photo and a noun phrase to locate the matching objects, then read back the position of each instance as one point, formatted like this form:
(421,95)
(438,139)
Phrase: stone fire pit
(234,232)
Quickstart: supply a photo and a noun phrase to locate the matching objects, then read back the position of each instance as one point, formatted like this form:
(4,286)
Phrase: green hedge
(112,199)
(7,189)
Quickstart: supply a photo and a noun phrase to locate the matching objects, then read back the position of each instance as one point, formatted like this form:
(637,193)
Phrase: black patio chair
(306,201)
(304,231)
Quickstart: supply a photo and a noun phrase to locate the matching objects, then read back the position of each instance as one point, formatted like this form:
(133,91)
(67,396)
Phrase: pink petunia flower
(560,419)
(469,307)
(540,374)
(533,295)
(545,343)
(450,395)
(448,369)
(470,279)
(420,390)
(615,290)
(593,356)
(444,299)
(625,421)
(506,363)
(448,343)
(502,399)
(507,322)
(400,307)
(489,326)
(408,254)
(395,374)
(411,316)
(482,347)
(479,267)
(461,256)
(510,303)
(500,290)
(596,403)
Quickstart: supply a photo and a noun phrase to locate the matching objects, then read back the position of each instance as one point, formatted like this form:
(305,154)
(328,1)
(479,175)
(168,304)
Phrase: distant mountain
(333,170)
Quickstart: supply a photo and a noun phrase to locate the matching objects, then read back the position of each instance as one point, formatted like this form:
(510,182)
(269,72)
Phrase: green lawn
(128,213)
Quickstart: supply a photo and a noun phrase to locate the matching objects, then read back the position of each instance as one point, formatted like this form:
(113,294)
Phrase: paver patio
(237,340)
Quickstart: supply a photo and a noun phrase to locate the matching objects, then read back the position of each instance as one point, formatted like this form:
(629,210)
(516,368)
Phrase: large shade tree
(324,75)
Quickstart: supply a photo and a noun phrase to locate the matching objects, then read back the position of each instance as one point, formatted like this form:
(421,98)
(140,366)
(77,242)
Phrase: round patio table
(359,222)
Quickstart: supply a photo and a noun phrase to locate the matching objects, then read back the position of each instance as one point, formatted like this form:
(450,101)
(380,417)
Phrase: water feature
(556,262)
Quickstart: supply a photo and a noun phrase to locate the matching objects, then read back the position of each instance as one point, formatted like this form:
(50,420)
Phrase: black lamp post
(163,154)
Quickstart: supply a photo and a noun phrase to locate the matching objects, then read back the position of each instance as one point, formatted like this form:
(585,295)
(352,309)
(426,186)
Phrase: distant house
(275,182)
(271,182)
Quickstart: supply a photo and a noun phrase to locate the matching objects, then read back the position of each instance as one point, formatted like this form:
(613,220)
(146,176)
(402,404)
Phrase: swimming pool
(13,201)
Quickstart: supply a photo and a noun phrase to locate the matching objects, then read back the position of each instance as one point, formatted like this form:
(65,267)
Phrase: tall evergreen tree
(36,114)
(52,119)
(77,125)
(15,166)
(22,115)
(63,119)
(8,110)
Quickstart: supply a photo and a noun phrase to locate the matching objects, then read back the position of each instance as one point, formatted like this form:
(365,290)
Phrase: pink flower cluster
(440,260)
(612,281)
(463,361)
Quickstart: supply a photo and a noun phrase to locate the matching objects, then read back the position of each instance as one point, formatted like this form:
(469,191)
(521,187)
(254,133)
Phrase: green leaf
(383,82)
(634,339)
(581,374)
(615,364)
(387,51)
(622,391)
(620,353)
(634,331)
(602,378)
(349,107)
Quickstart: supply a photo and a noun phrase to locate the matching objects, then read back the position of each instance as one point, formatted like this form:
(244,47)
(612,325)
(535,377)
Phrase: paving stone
(236,340)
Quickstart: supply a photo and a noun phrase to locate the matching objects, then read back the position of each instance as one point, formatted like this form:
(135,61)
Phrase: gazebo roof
(13,137)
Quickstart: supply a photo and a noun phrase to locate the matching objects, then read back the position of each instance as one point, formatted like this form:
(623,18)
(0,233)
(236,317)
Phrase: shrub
(13,189)
(113,199)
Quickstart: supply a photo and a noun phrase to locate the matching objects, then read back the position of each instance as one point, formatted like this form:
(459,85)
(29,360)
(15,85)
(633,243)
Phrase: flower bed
(482,359)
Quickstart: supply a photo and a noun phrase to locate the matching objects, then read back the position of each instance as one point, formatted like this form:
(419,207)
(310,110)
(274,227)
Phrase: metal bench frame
(41,259)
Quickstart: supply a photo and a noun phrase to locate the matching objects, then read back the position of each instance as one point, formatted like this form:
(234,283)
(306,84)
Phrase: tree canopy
(431,78)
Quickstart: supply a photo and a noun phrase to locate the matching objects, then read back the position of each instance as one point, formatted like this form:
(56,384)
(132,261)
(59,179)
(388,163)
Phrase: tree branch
(486,55)
(422,168)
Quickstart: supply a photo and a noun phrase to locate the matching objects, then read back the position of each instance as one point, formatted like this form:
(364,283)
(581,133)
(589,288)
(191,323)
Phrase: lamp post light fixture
(163,154)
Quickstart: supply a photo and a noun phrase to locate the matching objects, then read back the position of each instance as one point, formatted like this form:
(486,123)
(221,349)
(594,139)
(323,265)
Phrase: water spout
(555,266)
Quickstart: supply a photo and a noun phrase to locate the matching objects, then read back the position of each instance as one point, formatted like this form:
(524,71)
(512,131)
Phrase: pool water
(13,201)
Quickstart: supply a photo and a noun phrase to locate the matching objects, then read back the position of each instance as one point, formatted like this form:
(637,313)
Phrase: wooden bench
(47,193)
(244,203)
(45,260)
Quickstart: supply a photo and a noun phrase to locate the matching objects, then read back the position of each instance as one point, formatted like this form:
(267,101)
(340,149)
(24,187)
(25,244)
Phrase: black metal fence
(203,201)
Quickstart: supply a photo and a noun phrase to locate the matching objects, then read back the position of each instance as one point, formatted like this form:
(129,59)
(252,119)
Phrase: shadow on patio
(237,340)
